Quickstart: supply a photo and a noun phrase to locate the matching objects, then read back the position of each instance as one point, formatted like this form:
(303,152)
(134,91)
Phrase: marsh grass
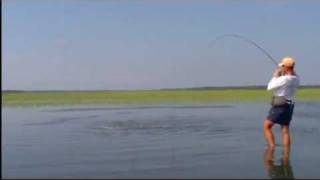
(146,97)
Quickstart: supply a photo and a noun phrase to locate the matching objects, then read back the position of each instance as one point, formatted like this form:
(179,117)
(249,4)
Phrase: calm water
(216,141)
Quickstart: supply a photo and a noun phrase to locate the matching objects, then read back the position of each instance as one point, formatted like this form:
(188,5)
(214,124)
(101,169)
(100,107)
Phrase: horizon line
(154,89)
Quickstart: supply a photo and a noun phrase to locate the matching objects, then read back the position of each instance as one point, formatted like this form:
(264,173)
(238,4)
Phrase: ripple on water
(137,108)
(59,120)
(176,125)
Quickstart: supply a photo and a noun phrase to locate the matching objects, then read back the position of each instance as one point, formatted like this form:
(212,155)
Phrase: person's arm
(277,80)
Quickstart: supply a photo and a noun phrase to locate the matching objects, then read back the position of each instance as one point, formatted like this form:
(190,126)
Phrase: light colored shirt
(284,86)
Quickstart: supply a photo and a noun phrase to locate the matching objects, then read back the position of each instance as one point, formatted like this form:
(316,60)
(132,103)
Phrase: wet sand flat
(211,141)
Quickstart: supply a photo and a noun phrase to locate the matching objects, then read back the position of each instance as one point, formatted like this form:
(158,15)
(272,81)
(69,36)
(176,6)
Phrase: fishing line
(246,40)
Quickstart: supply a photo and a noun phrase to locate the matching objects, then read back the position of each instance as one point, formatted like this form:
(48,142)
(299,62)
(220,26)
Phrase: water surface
(210,141)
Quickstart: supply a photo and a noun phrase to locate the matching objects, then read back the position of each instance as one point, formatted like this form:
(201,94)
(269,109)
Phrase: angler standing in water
(283,83)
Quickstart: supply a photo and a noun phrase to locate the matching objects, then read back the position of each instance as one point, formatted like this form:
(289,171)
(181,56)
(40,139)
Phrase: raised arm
(277,80)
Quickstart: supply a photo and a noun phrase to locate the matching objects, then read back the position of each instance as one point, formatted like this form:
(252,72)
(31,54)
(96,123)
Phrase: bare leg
(267,126)
(285,136)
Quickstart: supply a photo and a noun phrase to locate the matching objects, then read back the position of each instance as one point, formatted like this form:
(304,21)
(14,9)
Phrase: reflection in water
(278,171)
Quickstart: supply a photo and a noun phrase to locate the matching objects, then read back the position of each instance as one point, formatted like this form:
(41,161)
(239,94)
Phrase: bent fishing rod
(246,40)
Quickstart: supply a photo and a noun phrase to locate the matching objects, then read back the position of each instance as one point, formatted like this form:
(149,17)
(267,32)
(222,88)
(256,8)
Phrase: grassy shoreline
(147,97)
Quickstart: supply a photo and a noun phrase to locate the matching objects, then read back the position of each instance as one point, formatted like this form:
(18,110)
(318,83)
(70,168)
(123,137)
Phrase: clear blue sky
(101,44)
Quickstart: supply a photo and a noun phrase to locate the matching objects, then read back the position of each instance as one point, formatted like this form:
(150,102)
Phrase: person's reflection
(278,171)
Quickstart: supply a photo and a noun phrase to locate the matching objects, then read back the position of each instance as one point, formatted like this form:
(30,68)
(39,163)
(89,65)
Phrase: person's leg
(267,126)
(285,135)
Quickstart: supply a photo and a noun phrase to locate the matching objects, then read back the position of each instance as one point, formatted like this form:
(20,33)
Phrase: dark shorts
(281,114)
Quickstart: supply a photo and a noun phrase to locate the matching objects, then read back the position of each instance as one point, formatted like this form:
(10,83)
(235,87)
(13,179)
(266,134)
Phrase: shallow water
(212,141)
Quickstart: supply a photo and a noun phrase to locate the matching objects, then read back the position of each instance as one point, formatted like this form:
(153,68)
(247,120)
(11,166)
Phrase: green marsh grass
(147,97)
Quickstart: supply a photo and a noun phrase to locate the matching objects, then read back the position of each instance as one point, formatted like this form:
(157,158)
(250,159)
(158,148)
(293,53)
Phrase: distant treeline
(218,88)
(165,89)
(238,87)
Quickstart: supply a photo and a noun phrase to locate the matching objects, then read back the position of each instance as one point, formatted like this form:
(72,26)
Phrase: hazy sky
(100,44)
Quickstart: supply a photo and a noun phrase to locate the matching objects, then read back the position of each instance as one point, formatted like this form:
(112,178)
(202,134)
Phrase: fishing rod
(246,40)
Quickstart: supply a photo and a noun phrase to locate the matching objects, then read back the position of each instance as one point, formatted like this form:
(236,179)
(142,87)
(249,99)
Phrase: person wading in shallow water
(283,84)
